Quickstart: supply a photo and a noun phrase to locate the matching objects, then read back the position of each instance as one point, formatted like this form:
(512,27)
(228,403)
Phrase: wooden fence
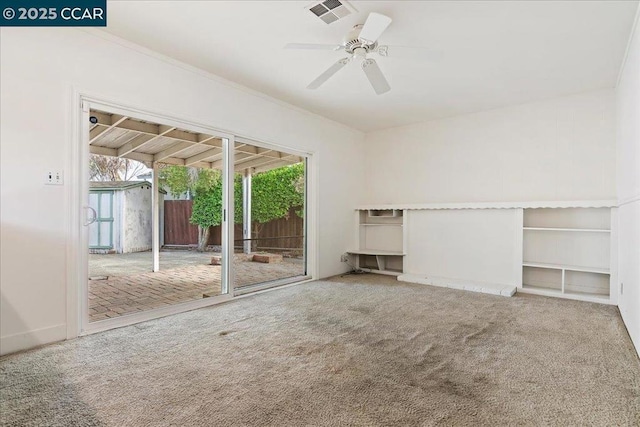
(177,228)
(280,234)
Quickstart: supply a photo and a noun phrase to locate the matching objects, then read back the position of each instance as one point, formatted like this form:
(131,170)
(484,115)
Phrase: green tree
(273,194)
(178,179)
(207,205)
(204,187)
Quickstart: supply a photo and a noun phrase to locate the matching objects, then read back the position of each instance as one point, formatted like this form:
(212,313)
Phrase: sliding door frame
(78,254)
(77,313)
(310,264)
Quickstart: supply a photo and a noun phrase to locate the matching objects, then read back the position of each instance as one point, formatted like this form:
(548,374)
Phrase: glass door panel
(270,206)
(158,192)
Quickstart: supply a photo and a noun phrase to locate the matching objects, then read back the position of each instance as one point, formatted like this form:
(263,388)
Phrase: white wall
(559,149)
(39,70)
(472,245)
(628,144)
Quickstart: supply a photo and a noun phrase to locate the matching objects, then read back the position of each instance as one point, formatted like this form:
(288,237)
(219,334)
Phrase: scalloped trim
(497,205)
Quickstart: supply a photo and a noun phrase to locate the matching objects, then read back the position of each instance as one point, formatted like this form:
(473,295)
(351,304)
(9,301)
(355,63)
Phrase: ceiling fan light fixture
(361,41)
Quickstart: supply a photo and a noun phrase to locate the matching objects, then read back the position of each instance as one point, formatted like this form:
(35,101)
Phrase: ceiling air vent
(331,10)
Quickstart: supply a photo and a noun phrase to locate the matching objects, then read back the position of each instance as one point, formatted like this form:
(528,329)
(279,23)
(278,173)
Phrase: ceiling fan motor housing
(352,42)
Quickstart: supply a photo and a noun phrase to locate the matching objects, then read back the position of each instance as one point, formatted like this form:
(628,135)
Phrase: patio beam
(143,139)
(155,218)
(215,157)
(246,211)
(255,163)
(218,163)
(289,160)
(134,125)
(202,156)
(209,141)
(105,123)
(103,151)
(202,165)
(141,157)
(172,150)
(266,152)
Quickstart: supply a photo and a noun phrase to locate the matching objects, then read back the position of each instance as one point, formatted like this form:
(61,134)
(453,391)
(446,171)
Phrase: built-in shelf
(587,230)
(580,296)
(384,213)
(567,253)
(378,271)
(381,241)
(376,252)
(566,267)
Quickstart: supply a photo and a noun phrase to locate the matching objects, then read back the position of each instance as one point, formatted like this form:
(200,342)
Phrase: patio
(121,284)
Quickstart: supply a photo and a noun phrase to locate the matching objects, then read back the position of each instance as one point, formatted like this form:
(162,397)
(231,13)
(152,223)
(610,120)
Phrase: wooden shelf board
(385,272)
(566,267)
(376,252)
(540,290)
(385,225)
(588,230)
(547,292)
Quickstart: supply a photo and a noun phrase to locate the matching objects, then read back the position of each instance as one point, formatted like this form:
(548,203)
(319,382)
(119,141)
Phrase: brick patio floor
(115,296)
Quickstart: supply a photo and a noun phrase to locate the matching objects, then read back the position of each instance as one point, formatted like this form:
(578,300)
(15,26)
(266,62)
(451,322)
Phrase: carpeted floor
(357,350)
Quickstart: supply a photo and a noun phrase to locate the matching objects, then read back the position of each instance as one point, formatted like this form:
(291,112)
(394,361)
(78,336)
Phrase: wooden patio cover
(126,137)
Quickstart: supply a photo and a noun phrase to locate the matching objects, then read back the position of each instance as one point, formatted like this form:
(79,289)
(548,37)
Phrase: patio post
(155,218)
(246,210)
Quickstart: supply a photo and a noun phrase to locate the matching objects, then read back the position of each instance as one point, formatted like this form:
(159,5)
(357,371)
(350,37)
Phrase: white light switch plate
(54,177)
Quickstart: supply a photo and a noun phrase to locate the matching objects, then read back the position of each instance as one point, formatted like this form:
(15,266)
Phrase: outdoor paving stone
(129,289)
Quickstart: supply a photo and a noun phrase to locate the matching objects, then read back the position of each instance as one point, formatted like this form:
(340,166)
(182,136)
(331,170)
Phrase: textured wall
(40,70)
(559,149)
(628,127)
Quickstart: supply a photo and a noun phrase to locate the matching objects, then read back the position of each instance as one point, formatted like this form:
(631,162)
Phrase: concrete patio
(121,284)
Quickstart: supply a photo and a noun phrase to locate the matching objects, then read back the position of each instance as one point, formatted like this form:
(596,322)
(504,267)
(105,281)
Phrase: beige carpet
(358,350)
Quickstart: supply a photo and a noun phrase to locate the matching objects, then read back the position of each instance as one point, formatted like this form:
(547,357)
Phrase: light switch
(54,177)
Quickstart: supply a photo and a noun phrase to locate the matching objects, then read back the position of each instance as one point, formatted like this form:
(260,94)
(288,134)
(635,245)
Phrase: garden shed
(122,216)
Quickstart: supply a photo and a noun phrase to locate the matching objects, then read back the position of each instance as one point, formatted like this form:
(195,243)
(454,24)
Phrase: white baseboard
(462,285)
(25,340)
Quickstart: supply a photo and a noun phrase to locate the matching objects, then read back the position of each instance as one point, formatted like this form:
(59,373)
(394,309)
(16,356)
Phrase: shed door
(101,231)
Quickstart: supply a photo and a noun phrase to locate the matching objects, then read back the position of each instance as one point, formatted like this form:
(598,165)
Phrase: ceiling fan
(360,41)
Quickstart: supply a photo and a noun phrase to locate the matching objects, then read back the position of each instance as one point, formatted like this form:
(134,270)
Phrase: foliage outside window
(273,194)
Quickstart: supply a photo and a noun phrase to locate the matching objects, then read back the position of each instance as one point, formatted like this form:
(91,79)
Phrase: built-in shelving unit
(380,240)
(565,249)
(567,252)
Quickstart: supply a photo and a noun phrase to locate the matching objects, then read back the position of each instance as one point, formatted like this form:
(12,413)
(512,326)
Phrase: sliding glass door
(270,216)
(180,216)
(158,204)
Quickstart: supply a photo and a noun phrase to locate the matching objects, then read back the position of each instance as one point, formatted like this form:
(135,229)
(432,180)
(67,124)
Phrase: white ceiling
(496,53)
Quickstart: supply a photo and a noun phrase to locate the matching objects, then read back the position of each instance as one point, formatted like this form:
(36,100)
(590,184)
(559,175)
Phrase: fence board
(177,228)
(273,232)
(281,233)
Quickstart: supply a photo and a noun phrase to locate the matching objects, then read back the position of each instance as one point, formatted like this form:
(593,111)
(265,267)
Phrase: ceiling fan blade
(375,76)
(374,27)
(327,74)
(313,46)
(411,52)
